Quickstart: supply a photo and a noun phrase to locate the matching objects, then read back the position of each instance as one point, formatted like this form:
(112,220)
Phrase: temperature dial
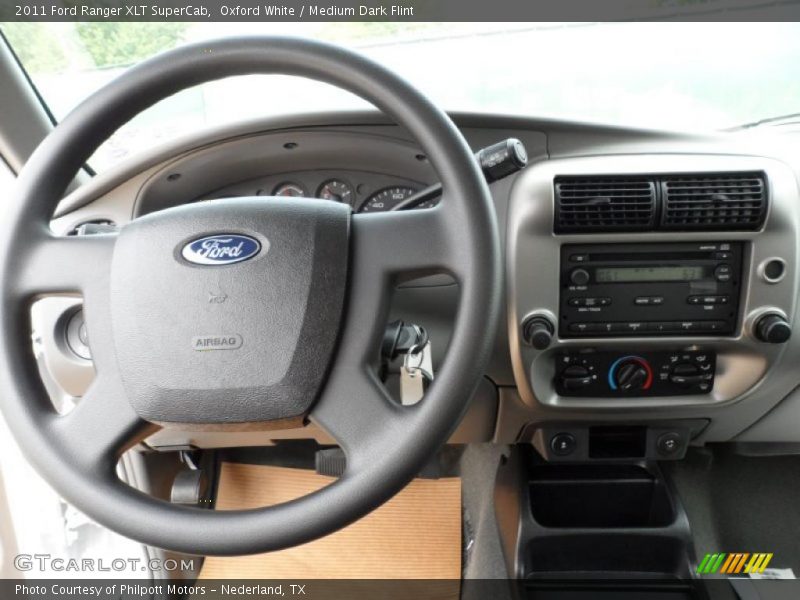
(630,374)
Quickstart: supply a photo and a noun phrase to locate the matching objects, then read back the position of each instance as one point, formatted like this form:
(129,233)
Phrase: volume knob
(773,329)
(538,332)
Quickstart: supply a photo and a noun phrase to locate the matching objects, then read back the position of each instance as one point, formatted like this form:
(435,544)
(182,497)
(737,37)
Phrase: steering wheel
(308,286)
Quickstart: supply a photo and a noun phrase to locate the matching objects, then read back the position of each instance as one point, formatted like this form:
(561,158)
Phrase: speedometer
(388,198)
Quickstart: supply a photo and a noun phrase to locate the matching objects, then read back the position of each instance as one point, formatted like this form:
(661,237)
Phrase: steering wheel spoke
(66,264)
(355,408)
(357,412)
(102,425)
(402,244)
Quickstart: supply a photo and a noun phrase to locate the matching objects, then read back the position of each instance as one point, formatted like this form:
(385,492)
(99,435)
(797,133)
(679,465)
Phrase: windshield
(688,76)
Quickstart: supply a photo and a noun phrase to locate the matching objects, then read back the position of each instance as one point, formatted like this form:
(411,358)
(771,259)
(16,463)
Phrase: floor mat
(416,535)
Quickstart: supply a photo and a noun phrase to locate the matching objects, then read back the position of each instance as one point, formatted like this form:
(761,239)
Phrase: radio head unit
(610,290)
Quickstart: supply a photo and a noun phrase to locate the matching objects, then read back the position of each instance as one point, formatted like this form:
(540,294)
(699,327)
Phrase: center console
(652,292)
(651,302)
(581,531)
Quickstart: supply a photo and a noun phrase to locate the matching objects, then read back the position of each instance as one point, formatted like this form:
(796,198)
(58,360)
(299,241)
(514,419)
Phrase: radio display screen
(642,274)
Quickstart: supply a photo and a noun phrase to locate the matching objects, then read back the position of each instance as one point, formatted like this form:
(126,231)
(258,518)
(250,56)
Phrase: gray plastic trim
(762,269)
(752,376)
(69,373)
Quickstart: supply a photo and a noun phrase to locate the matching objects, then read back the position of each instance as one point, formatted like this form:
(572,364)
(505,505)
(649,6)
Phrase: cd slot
(650,256)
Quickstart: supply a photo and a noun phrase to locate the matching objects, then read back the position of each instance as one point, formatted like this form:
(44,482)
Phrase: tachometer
(388,198)
(336,190)
(289,190)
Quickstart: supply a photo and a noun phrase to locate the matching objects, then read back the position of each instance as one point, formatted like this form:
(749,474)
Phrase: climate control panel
(587,373)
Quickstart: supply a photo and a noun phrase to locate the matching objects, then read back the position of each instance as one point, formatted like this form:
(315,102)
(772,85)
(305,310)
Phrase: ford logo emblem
(222,249)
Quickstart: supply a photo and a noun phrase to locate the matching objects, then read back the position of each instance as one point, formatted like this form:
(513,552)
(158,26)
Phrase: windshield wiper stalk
(497,161)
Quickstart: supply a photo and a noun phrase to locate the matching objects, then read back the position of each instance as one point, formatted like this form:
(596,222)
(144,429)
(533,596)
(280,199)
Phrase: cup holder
(587,496)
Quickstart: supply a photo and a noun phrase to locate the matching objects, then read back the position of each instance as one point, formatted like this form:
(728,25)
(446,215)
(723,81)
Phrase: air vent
(604,204)
(719,201)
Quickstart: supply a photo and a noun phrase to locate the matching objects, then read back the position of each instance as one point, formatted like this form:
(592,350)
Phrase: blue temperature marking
(613,367)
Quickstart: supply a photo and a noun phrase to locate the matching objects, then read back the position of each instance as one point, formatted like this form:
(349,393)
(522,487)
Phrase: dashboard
(651,277)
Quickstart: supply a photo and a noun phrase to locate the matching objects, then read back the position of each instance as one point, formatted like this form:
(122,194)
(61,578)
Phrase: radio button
(678,326)
(579,258)
(722,273)
(649,301)
(708,300)
(579,327)
(579,277)
(589,301)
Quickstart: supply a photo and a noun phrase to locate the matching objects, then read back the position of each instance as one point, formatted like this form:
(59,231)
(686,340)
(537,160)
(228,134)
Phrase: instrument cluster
(363,191)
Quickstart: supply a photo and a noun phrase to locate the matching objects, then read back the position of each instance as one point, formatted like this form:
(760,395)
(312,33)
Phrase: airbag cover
(229,340)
